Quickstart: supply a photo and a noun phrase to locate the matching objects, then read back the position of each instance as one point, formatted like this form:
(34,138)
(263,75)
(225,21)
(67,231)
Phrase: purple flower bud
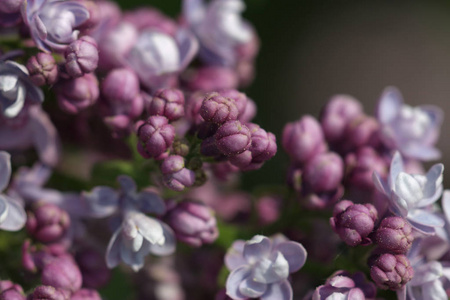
(81,57)
(218,109)
(249,112)
(233,138)
(86,294)
(43,69)
(10,6)
(120,85)
(12,294)
(77,94)
(175,175)
(7,284)
(354,223)
(361,131)
(268,208)
(34,260)
(303,139)
(155,136)
(47,222)
(93,268)
(194,223)
(337,114)
(45,292)
(323,173)
(394,235)
(168,103)
(192,107)
(360,166)
(240,99)
(62,273)
(210,78)
(391,271)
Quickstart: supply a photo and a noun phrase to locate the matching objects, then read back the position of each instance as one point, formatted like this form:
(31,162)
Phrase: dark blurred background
(313,49)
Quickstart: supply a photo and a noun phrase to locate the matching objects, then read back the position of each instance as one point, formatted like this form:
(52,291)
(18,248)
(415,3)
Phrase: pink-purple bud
(34,259)
(210,78)
(62,273)
(77,94)
(120,85)
(155,136)
(323,173)
(12,294)
(10,6)
(193,106)
(361,131)
(194,223)
(219,109)
(81,57)
(45,292)
(43,69)
(240,99)
(86,294)
(175,175)
(47,222)
(391,271)
(337,114)
(233,138)
(354,222)
(303,139)
(168,103)
(394,235)
(93,268)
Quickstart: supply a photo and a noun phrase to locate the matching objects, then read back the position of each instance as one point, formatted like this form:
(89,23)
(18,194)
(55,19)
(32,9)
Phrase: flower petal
(5,169)
(278,291)
(127,184)
(408,189)
(257,248)
(428,272)
(150,228)
(389,104)
(234,257)
(102,201)
(149,202)
(169,242)
(271,270)
(396,168)
(434,290)
(446,204)
(113,250)
(425,218)
(251,288)
(294,253)
(16,216)
(234,281)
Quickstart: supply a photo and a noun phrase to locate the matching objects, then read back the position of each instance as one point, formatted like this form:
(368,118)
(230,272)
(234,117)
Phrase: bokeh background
(313,49)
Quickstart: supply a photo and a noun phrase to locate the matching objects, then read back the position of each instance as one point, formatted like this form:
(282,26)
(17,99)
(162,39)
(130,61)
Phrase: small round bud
(47,222)
(175,175)
(81,57)
(218,109)
(323,173)
(62,273)
(391,271)
(155,136)
(394,235)
(43,69)
(77,94)
(168,103)
(233,138)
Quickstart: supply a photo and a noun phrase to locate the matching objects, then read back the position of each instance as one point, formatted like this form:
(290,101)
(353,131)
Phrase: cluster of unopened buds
(149,108)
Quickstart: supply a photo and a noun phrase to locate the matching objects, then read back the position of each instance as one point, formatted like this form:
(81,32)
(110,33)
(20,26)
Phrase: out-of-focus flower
(93,268)
(342,285)
(43,69)
(193,222)
(12,214)
(11,291)
(10,6)
(175,175)
(86,294)
(16,88)
(323,173)
(81,57)
(354,222)
(413,131)
(210,78)
(260,267)
(47,292)
(410,195)
(62,273)
(138,236)
(53,23)
(77,94)
(224,36)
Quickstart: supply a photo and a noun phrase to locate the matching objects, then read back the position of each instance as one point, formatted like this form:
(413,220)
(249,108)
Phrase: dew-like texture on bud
(75,95)
(194,223)
(337,114)
(63,273)
(168,103)
(391,271)
(81,57)
(47,222)
(354,222)
(394,235)
(233,138)
(43,69)
(156,135)
(218,109)
(323,173)
(303,139)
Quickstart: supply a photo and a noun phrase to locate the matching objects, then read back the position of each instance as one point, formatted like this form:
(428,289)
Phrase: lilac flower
(53,23)
(411,130)
(260,268)
(410,195)
(138,236)
(81,57)
(43,69)
(15,88)
(12,214)
(220,29)
(342,285)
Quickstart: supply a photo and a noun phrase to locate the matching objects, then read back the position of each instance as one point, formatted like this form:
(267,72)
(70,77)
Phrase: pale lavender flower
(137,236)
(220,29)
(413,131)
(342,285)
(12,214)
(410,195)
(53,23)
(260,268)
(16,89)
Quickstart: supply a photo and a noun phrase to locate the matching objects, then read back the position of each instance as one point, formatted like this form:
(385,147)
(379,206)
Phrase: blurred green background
(313,49)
